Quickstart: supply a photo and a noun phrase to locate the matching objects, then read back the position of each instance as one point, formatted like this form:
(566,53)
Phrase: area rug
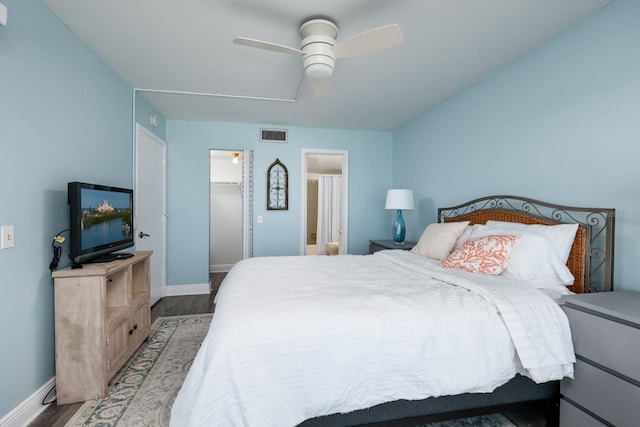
(142,393)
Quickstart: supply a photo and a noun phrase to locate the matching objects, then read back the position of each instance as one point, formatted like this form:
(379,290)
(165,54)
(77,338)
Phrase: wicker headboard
(591,257)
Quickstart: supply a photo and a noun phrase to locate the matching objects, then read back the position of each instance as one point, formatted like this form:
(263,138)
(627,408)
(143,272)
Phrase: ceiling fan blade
(267,46)
(369,41)
(321,87)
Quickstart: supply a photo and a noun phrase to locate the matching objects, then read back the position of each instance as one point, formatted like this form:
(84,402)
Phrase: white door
(150,205)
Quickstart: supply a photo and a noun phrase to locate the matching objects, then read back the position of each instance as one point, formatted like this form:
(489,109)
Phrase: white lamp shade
(399,199)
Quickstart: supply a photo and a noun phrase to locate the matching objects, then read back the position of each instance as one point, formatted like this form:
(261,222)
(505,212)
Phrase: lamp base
(399,231)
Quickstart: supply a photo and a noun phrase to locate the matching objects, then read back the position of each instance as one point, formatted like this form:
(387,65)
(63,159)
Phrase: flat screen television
(101,222)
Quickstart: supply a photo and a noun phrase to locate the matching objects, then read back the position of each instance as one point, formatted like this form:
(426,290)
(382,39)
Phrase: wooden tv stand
(102,315)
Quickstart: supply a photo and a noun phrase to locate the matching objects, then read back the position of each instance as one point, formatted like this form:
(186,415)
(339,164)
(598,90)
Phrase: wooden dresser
(102,315)
(606,337)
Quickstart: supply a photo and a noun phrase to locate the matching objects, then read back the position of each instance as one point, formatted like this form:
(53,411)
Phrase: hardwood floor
(59,415)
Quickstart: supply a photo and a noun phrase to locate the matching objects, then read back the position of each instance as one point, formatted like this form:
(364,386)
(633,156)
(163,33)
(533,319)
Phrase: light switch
(7,236)
(259,219)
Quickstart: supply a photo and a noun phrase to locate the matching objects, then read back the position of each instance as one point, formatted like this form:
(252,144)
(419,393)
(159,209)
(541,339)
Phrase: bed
(395,338)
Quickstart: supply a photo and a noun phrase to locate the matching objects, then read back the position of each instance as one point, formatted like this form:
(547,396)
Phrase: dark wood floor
(58,415)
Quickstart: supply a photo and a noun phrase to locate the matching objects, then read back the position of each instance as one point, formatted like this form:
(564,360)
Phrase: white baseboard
(29,409)
(177,290)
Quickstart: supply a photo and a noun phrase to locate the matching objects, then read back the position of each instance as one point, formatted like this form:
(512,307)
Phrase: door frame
(247,203)
(163,258)
(344,243)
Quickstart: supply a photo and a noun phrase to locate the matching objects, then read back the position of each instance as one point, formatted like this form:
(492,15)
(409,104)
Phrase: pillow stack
(534,253)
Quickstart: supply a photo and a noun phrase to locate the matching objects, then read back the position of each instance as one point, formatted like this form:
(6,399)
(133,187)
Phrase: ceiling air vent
(273,135)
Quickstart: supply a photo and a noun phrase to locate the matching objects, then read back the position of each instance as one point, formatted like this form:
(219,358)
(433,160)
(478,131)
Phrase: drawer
(570,416)
(608,343)
(607,396)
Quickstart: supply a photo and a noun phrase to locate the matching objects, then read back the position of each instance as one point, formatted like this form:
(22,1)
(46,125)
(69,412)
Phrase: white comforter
(294,338)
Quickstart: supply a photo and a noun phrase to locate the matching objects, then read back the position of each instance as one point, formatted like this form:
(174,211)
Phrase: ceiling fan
(319,49)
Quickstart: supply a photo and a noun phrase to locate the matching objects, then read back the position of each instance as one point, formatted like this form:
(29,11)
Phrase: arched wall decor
(277,187)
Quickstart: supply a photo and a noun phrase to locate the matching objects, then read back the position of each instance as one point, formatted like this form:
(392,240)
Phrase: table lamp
(399,199)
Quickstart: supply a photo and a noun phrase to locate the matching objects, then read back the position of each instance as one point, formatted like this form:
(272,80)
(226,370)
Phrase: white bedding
(294,338)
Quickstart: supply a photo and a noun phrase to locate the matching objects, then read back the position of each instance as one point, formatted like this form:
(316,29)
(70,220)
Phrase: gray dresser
(605,390)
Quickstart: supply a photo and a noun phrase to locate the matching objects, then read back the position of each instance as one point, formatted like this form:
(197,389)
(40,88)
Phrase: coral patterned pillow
(487,254)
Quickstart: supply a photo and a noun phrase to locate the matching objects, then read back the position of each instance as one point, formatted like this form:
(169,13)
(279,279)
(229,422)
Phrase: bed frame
(590,262)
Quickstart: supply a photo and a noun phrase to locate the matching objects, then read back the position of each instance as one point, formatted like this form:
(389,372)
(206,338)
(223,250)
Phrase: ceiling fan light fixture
(319,61)
(319,71)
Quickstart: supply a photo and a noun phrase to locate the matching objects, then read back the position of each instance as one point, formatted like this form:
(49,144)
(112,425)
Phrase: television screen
(101,221)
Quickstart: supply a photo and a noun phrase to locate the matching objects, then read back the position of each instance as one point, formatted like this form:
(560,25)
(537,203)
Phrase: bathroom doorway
(324,202)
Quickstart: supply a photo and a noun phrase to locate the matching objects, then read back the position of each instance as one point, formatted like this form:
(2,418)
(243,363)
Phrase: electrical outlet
(8,237)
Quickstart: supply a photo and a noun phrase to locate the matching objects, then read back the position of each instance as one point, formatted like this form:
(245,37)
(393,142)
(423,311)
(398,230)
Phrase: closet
(225,210)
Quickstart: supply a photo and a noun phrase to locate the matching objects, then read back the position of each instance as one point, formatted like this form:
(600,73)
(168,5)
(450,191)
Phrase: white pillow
(438,239)
(532,259)
(560,236)
(466,234)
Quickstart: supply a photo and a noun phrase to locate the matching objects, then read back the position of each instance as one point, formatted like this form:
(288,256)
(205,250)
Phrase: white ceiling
(176,49)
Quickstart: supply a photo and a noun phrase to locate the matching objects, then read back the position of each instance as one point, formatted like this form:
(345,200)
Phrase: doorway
(230,208)
(324,202)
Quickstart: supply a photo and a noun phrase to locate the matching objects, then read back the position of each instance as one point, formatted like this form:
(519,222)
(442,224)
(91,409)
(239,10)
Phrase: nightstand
(605,390)
(378,245)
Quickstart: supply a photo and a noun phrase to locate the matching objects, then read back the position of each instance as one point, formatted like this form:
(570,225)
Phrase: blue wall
(188,145)
(64,116)
(562,124)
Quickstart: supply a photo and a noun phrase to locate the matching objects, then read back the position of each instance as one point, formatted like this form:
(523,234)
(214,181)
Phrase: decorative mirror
(277,186)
